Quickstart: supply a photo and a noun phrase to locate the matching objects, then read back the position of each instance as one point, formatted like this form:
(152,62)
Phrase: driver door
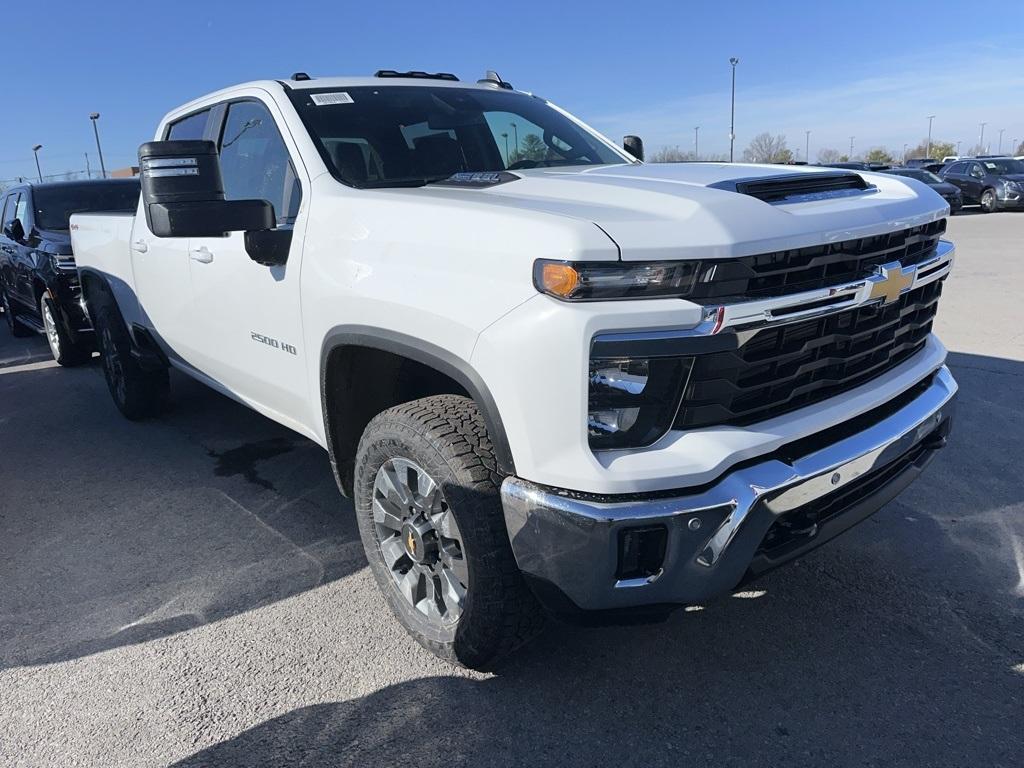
(246,316)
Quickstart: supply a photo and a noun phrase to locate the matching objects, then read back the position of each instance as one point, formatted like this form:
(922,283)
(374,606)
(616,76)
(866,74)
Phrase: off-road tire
(68,351)
(11,316)
(137,393)
(446,436)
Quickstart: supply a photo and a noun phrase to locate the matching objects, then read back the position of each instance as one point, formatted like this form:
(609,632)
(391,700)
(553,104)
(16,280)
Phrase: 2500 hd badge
(274,343)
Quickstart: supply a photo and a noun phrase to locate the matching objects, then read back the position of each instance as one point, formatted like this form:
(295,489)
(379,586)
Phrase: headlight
(633,400)
(595,281)
(1011,186)
(62,262)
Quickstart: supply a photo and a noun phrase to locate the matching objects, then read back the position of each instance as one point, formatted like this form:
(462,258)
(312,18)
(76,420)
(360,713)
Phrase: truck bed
(102,244)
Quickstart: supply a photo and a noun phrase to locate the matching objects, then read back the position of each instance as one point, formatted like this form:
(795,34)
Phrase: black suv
(996,183)
(950,192)
(39,288)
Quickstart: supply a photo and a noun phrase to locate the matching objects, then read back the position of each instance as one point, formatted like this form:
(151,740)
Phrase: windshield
(412,135)
(54,205)
(1003,167)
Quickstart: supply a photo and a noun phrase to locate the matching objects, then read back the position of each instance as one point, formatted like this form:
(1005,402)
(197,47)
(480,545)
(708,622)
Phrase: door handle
(140,246)
(201,254)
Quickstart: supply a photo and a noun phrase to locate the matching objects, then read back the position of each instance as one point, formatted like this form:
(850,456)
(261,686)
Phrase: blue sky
(652,68)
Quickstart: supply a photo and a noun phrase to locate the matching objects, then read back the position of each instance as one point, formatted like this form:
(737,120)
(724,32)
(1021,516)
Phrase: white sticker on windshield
(327,99)
(990,166)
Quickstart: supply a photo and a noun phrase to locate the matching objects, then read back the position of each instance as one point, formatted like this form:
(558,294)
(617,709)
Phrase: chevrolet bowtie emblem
(410,544)
(889,281)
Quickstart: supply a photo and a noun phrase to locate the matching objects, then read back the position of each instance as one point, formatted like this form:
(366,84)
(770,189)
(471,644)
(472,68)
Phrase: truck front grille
(804,269)
(783,368)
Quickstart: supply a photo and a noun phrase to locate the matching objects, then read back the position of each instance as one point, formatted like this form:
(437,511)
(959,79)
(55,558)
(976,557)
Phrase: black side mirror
(183,193)
(268,247)
(634,145)
(15,231)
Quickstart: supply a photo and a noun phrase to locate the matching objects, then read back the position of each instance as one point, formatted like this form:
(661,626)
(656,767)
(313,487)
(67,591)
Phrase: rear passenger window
(191,127)
(254,161)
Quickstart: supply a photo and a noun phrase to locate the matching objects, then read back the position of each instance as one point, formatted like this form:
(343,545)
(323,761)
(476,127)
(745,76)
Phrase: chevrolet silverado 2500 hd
(549,375)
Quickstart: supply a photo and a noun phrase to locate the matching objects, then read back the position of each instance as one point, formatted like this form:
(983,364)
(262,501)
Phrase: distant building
(125,173)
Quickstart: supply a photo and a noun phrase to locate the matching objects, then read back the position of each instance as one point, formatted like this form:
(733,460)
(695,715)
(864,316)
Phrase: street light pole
(95,116)
(981,139)
(696,142)
(928,149)
(807,146)
(505,137)
(515,135)
(88,170)
(1000,150)
(958,148)
(851,147)
(732,112)
(35,151)
(904,161)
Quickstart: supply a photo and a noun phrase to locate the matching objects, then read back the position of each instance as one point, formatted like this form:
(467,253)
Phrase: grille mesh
(791,366)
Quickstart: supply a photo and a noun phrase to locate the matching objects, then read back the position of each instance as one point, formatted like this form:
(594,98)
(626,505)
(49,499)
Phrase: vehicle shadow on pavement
(114,533)
(899,644)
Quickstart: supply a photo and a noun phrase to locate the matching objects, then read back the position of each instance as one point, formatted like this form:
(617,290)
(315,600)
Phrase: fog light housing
(641,552)
(632,401)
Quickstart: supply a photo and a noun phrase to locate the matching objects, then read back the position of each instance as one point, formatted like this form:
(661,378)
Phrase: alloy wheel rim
(420,542)
(112,366)
(7,310)
(51,331)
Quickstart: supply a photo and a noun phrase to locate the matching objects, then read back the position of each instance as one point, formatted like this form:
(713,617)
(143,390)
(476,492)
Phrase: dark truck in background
(39,288)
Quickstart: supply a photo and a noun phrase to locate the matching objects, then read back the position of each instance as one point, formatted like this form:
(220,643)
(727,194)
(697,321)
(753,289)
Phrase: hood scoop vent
(799,187)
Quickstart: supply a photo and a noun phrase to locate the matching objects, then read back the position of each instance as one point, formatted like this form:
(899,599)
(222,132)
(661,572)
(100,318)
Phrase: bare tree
(828,155)
(940,149)
(878,155)
(671,155)
(765,148)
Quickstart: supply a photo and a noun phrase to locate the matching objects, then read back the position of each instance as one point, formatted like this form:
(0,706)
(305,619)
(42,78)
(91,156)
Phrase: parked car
(995,183)
(857,166)
(949,192)
(559,376)
(920,162)
(39,287)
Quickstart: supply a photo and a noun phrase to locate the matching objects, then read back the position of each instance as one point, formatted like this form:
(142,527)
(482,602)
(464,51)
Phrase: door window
(254,161)
(976,171)
(191,127)
(22,211)
(10,203)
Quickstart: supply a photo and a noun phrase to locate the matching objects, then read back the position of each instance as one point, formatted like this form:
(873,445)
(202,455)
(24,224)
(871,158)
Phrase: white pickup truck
(548,374)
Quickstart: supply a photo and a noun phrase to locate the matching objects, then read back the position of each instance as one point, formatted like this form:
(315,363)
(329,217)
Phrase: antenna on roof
(299,77)
(493,78)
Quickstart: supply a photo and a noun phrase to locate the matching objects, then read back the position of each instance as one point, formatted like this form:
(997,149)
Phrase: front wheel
(66,350)
(430,518)
(988,201)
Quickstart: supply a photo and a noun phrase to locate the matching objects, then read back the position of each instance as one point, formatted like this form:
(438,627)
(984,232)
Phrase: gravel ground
(192,591)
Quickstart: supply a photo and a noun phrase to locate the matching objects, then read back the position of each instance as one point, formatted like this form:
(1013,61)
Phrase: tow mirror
(183,193)
(15,231)
(634,145)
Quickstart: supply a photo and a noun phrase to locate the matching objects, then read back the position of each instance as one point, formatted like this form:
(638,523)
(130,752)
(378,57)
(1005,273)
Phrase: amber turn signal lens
(559,279)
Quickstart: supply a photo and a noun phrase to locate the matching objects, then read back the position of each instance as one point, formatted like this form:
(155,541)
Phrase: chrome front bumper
(567,544)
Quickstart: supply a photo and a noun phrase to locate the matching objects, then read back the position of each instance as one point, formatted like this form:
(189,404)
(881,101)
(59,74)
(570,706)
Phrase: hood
(1017,177)
(945,188)
(693,210)
(54,240)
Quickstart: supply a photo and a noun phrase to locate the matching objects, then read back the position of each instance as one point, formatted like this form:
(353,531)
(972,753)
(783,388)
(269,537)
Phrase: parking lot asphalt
(192,591)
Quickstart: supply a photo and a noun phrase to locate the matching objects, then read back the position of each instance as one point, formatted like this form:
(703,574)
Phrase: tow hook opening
(641,552)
